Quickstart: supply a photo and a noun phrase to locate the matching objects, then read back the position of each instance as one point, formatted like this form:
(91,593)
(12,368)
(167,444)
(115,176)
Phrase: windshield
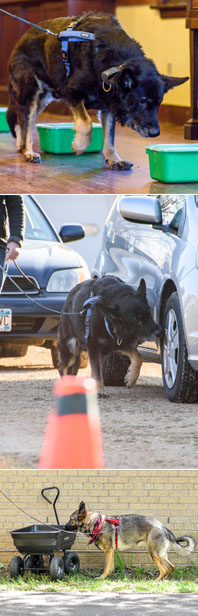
(36,225)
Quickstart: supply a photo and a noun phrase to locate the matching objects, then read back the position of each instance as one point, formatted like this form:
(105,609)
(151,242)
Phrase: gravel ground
(140,427)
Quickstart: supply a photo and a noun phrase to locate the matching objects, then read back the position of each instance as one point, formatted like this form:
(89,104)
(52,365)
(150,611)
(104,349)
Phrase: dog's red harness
(98,528)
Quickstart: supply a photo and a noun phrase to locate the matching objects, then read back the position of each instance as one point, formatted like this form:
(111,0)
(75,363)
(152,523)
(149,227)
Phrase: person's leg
(3,264)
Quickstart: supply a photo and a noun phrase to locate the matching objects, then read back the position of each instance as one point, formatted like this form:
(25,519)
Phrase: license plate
(5,320)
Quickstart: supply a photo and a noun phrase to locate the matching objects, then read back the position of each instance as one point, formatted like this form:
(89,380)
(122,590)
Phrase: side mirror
(71,233)
(142,209)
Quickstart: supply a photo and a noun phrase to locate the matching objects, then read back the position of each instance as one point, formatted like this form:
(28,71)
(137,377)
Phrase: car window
(170,205)
(36,225)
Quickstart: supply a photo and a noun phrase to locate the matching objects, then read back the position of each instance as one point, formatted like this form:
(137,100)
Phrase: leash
(36,519)
(65,37)
(87,306)
(38,303)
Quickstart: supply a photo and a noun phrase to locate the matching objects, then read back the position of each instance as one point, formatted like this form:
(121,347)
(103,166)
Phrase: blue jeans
(4,264)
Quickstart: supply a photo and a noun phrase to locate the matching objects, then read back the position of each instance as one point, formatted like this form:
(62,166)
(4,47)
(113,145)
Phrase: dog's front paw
(130,379)
(81,142)
(119,165)
(102,396)
(31,157)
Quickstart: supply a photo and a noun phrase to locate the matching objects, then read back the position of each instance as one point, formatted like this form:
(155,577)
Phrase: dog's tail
(189,541)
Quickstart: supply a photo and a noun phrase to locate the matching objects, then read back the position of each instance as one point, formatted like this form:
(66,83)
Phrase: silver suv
(157,239)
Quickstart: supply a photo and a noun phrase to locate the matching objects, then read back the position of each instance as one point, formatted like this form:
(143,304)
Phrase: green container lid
(4,128)
(174,162)
(57,138)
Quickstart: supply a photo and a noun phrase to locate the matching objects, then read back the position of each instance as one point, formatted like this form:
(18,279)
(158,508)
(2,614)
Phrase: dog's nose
(154,131)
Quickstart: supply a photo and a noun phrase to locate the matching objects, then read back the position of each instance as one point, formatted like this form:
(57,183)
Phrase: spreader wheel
(16,567)
(71,562)
(56,568)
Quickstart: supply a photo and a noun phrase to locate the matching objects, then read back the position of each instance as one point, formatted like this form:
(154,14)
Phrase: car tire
(16,567)
(114,369)
(71,562)
(179,379)
(56,568)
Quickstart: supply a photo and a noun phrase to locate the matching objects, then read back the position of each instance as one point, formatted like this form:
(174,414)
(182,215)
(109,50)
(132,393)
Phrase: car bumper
(33,322)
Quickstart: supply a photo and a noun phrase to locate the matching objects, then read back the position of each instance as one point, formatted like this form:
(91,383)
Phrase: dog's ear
(141,291)
(172,82)
(82,510)
(128,78)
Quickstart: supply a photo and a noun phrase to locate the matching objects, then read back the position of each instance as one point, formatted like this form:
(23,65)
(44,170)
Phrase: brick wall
(169,495)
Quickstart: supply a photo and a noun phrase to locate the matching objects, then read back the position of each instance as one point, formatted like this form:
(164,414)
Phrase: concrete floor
(87,173)
(97,604)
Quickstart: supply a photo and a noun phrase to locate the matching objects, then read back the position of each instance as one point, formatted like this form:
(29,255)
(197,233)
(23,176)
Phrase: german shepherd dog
(101,316)
(110,74)
(131,530)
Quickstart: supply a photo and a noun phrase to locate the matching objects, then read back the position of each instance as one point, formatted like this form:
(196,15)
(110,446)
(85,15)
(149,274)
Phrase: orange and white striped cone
(73,433)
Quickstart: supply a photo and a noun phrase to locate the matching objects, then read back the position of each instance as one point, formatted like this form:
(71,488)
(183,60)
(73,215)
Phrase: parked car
(144,239)
(30,312)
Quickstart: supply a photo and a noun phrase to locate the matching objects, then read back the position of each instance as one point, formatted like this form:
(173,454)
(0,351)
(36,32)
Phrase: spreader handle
(53,503)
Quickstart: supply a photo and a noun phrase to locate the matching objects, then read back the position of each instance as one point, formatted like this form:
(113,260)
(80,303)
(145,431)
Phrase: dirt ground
(140,427)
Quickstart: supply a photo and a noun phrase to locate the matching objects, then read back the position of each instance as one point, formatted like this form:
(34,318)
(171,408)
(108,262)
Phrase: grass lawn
(132,579)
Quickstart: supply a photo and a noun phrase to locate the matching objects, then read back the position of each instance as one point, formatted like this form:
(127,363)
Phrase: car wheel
(114,369)
(16,567)
(56,568)
(179,379)
(71,562)
(14,350)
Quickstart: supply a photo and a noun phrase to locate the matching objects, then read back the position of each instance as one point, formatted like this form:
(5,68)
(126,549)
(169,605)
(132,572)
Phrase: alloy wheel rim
(171,349)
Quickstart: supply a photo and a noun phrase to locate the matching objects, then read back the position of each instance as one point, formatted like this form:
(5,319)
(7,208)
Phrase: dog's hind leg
(112,158)
(25,90)
(69,356)
(83,126)
(134,368)
(157,549)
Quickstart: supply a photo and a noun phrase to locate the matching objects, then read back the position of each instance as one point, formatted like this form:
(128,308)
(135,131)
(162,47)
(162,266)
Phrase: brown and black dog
(110,74)
(123,532)
(103,316)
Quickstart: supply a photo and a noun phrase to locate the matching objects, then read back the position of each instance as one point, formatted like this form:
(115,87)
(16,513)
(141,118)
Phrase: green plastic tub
(58,138)
(4,128)
(173,163)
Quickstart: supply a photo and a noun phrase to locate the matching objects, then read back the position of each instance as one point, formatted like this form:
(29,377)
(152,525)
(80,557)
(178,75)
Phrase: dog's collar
(118,340)
(72,36)
(107,74)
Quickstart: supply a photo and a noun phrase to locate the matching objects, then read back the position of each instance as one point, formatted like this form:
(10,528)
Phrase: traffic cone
(73,432)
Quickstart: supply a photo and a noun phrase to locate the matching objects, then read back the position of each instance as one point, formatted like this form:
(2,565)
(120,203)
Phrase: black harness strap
(72,36)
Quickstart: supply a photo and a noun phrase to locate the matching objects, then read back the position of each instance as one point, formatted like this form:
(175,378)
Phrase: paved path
(97,604)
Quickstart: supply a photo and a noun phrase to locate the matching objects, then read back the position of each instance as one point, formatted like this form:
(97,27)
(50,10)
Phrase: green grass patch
(130,579)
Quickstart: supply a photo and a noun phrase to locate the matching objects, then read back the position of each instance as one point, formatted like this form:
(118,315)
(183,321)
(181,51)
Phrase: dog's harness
(72,36)
(88,306)
(98,528)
